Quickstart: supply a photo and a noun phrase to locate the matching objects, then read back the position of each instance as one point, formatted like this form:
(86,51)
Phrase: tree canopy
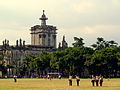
(102,58)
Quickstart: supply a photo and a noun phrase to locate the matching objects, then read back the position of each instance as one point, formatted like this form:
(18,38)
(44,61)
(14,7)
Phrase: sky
(87,19)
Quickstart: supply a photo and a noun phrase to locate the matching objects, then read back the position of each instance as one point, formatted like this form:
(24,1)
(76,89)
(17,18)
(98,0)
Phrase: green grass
(56,84)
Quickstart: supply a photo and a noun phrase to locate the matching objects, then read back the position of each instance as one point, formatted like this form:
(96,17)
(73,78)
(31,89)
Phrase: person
(59,76)
(48,76)
(97,80)
(70,80)
(15,78)
(5,76)
(77,80)
(93,80)
(101,80)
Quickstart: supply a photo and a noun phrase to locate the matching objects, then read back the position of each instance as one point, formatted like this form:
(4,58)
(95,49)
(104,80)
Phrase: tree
(112,43)
(71,60)
(3,68)
(101,43)
(78,42)
(103,61)
(55,60)
(42,63)
(25,66)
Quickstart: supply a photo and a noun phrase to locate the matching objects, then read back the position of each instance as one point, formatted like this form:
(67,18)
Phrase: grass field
(56,84)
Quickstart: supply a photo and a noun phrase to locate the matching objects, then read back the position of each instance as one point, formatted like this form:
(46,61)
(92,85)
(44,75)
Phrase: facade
(43,35)
(43,38)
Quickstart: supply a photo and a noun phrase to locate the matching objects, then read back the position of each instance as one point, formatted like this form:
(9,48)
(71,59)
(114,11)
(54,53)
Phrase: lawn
(56,84)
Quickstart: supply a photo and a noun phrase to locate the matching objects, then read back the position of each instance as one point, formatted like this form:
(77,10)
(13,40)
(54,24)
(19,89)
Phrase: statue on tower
(43,19)
(64,43)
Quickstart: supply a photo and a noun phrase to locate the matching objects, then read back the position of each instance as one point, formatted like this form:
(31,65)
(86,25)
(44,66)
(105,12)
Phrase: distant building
(43,35)
(43,38)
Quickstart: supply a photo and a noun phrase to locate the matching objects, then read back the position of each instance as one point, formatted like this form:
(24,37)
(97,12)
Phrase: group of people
(70,80)
(97,79)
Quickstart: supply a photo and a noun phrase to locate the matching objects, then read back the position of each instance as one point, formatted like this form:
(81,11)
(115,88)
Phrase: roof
(46,27)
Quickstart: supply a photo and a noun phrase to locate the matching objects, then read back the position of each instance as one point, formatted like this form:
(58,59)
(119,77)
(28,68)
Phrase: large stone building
(43,38)
(43,35)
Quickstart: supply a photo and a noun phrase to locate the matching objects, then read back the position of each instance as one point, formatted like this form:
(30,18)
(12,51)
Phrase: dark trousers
(97,82)
(15,80)
(101,81)
(77,82)
(70,82)
(93,81)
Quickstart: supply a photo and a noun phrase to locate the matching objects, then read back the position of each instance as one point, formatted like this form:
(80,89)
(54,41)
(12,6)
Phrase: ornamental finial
(43,11)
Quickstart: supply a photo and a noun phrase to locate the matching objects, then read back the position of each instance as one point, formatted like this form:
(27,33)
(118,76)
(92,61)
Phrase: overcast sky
(88,19)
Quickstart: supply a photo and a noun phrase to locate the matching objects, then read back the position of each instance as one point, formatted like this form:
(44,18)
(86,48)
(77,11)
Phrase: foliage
(101,43)
(103,59)
(78,42)
(70,60)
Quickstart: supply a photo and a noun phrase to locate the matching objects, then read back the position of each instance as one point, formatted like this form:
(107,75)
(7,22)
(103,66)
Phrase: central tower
(43,35)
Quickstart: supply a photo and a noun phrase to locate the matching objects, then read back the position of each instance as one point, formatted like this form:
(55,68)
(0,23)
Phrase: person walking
(97,80)
(70,80)
(93,80)
(15,78)
(77,80)
(101,80)
(59,76)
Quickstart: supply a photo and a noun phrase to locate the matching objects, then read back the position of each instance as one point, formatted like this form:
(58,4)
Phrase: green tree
(26,63)
(42,63)
(101,43)
(78,42)
(71,60)
(3,68)
(103,61)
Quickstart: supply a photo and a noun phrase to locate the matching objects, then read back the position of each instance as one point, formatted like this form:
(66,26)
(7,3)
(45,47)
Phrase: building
(43,38)
(43,35)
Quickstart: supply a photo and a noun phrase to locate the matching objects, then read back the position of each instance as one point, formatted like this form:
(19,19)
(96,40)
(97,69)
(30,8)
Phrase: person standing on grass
(97,80)
(59,76)
(93,80)
(101,80)
(48,76)
(70,80)
(77,80)
(15,78)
